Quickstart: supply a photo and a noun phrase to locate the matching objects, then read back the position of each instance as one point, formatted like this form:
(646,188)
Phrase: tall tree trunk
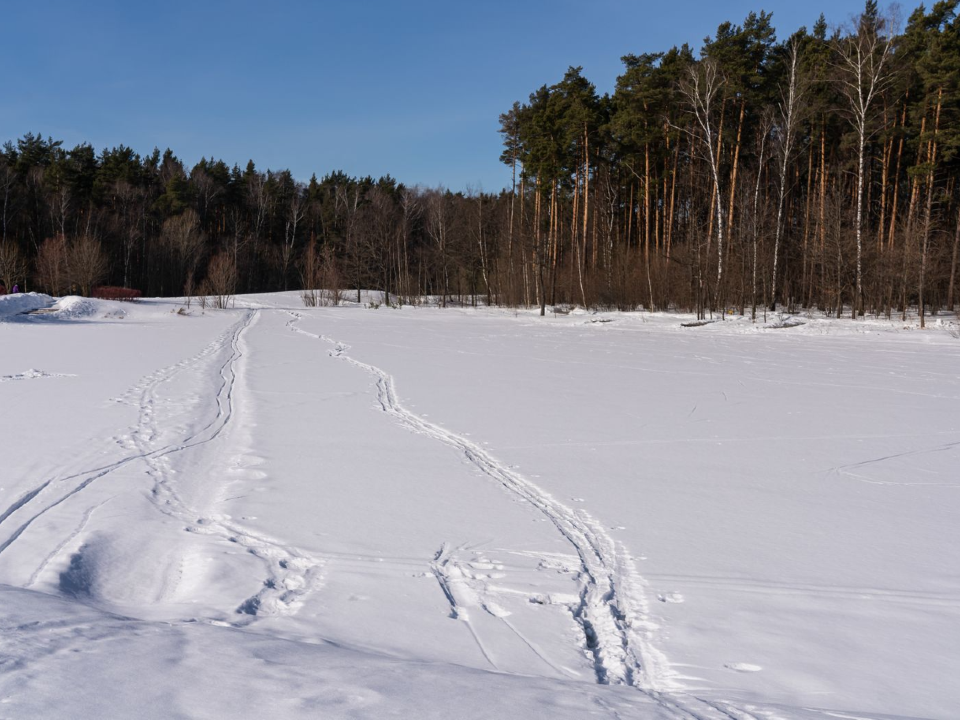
(710,215)
(861,151)
(931,162)
(756,229)
(736,165)
(908,239)
(673,195)
(953,264)
(822,214)
(806,280)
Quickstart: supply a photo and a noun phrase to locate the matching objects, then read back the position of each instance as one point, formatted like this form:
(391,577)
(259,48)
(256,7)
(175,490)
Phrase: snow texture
(357,512)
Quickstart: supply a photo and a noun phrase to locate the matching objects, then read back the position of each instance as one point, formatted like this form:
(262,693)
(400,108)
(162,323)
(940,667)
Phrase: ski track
(292,574)
(612,610)
(453,589)
(151,381)
(66,541)
(464,587)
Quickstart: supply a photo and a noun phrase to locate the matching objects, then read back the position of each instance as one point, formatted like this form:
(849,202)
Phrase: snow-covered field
(273,511)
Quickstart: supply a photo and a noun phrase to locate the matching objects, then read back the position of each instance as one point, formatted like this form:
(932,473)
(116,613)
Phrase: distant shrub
(110,292)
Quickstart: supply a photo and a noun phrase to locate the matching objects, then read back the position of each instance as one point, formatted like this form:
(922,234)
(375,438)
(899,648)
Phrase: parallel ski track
(229,337)
(612,625)
(292,574)
(449,574)
(439,568)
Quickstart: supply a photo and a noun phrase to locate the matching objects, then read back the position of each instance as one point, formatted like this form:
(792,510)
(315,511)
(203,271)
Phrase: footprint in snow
(577,499)
(673,597)
(743,667)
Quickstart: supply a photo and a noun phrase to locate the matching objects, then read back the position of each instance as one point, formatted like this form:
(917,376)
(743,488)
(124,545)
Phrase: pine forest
(817,170)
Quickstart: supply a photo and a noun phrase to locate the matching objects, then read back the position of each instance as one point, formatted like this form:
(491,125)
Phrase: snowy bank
(21,303)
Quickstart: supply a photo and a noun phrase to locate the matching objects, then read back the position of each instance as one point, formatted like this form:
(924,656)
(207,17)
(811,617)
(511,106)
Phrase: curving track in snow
(611,611)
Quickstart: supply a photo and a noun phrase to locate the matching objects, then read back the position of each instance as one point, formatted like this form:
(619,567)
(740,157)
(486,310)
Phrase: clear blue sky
(411,88)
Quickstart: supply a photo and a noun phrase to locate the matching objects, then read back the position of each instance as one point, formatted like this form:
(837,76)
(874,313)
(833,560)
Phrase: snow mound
(20,303)
(73,307)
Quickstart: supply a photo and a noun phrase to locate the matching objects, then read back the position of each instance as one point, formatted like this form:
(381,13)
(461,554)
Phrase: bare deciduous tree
(128,201)
(182,236)
(788,112)
(52,270)
(8,180)
(411,207)
(330,278)
(87,264)
(765,129)
(863,71)
(310,276)
(297,210)
(700,89)
(221,280)
(437,226)
(320,276)
(347,203)
(13,265)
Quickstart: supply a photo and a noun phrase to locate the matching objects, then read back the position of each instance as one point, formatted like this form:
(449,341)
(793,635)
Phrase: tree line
(818,171)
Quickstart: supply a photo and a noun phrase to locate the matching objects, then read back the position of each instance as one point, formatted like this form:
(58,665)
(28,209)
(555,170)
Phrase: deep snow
(417,512)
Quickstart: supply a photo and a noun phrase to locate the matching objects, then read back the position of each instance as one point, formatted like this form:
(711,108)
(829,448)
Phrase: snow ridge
(611,611)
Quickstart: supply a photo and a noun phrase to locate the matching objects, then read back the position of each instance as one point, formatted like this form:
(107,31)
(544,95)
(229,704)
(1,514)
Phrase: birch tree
(791,95)
(863,70)
(700,90)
